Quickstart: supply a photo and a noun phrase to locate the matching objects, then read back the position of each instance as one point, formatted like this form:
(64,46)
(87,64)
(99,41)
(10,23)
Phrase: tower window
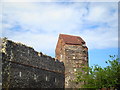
(75,69)
(84,51)
(55,80)
(20,74)
(46,78)
(35,77)
(61,56)
(74,57)
(85,58)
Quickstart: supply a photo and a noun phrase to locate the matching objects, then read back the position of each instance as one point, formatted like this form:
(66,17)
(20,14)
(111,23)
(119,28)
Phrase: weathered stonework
(72,51)
(23,67)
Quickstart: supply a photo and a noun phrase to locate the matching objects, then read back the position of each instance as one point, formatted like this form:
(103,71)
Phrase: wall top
(70,39)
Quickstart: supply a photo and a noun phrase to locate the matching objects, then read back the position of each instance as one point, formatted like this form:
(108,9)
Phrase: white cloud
(45,17)
(102,12)
(28,0)
(101,39)
(60,0)
(42,43)
(39,24)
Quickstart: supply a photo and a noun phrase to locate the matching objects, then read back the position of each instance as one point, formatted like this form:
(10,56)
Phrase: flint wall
(23,67)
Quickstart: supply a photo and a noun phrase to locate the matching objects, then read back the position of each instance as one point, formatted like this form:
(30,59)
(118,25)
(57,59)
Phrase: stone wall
(23,67)
(76,57)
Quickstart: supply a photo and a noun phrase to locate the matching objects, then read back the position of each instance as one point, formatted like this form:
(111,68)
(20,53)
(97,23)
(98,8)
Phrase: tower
(73,52)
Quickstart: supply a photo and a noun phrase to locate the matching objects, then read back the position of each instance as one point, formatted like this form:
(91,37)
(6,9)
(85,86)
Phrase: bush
(98,77)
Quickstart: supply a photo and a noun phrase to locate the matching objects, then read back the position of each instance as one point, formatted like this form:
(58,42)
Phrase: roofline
(73,36)
(69,35)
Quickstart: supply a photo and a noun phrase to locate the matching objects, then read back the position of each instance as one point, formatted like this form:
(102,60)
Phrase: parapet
(25,55)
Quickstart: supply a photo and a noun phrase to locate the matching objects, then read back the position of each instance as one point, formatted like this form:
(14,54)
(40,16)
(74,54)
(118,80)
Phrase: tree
(98,77)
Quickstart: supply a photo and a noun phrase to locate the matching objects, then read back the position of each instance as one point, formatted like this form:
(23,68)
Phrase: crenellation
(23,67)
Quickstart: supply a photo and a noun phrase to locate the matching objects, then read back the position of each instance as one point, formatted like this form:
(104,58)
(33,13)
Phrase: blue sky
(38,24)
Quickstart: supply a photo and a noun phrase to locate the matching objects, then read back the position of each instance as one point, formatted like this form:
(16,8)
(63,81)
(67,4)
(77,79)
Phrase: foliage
(98,77)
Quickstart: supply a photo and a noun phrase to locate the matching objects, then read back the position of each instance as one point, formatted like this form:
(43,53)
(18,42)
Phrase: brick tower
(72,51)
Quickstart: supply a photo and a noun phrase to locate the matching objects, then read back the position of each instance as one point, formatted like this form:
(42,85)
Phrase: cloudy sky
(38,24)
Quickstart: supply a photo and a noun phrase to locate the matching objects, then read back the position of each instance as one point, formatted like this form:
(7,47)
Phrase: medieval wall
(23,67)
